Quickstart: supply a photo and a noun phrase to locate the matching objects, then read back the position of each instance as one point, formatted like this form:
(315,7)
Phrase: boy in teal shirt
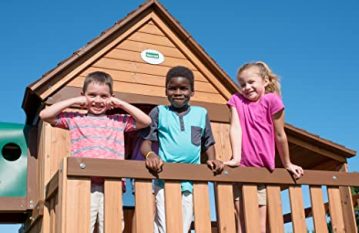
(183,132)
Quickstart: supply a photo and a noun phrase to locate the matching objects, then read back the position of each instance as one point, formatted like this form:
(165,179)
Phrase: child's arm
(207,145)
(50,113)
(282,145)
(214,164)
(235,135)
(141,118)
(153,161)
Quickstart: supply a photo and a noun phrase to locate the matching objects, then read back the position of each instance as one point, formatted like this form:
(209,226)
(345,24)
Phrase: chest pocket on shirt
(196,135)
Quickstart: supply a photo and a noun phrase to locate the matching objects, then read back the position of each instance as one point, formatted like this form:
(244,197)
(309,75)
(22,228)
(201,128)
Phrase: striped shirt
(96,136)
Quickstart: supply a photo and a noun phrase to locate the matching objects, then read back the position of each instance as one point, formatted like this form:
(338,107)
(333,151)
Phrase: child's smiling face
(179,92)
(252,85)
(97,96)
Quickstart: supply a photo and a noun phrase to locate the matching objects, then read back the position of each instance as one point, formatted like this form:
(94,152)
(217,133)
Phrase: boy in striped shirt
(96,134)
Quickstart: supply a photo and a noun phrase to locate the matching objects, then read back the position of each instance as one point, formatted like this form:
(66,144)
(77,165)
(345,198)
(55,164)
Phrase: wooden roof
(46,89)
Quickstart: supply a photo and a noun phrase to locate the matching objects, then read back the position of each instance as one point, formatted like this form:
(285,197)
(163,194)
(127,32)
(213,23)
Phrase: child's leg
(238,204)
(160,217)
(262,202)
(96,207)
(187,210)
(263,217)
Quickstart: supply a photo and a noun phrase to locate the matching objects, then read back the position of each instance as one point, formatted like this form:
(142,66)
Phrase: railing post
(202,212)
(335,209)
(74,198)
(144,206)
(318,209)
(113,212)
(225,208)
(348,206)
(173,207)
(250,208)
(274,205)
(296,204)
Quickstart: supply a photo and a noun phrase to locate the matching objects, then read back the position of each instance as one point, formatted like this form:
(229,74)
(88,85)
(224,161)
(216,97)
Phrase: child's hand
(295,170)
(232,163)
(154,163)
(81,100)
(215,165)
(114,102)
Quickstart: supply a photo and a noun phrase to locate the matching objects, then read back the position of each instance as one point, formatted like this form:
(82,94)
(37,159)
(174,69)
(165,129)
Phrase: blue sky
(312,45)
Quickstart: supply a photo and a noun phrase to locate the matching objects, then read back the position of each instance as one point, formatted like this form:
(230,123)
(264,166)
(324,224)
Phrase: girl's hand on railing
(215,165)
(232,163)
(154,163)
(295,170)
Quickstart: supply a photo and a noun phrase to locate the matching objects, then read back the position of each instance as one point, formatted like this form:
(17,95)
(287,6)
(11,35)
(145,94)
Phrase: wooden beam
(136,169)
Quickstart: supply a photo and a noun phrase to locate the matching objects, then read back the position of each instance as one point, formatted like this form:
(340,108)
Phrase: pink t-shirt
(258,144)
(99,137)
(96,136)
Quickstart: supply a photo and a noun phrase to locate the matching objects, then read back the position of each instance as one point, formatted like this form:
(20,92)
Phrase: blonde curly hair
(266,73)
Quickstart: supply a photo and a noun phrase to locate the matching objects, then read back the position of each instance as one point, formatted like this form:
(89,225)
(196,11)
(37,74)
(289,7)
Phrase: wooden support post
(296,204)
(274,205)
(144,206)
(320,224)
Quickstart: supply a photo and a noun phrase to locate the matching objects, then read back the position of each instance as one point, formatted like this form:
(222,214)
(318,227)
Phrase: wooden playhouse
(58,187)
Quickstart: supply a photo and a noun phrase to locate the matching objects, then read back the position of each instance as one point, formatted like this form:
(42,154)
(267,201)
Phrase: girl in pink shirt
(257,126)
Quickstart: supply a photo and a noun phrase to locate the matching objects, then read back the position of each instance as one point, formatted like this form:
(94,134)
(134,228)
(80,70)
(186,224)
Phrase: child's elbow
(280,137)
(148,121)
(42,115)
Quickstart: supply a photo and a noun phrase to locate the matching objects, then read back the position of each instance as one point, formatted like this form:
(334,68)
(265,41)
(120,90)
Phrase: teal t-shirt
(181,137)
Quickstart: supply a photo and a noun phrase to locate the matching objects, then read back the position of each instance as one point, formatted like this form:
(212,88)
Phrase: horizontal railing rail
(71,187)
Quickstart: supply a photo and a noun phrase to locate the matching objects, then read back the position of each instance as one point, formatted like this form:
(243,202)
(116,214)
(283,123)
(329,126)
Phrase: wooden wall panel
(150,90)
(151,28)
(154,39)
(125,54)
(139,46)
(59,148)
(137,78)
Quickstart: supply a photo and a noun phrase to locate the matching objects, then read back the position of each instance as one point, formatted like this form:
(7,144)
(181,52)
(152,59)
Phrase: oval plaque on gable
(152,56)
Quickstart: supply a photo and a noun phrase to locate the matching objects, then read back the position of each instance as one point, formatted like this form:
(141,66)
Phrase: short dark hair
(180,71)
(98,77)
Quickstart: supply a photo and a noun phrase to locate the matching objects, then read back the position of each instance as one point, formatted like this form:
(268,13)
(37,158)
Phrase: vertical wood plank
(276,223)
(202,213)
(320,224)
(250,208)
(173,207)
(224,192)
(113,214)
(335,209)
(297,207)
(144,210)
(78,205)
(348,205)
(52,215)
(225,208)
(61,208)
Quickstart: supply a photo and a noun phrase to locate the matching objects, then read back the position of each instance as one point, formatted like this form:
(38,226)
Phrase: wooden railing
(68,197)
